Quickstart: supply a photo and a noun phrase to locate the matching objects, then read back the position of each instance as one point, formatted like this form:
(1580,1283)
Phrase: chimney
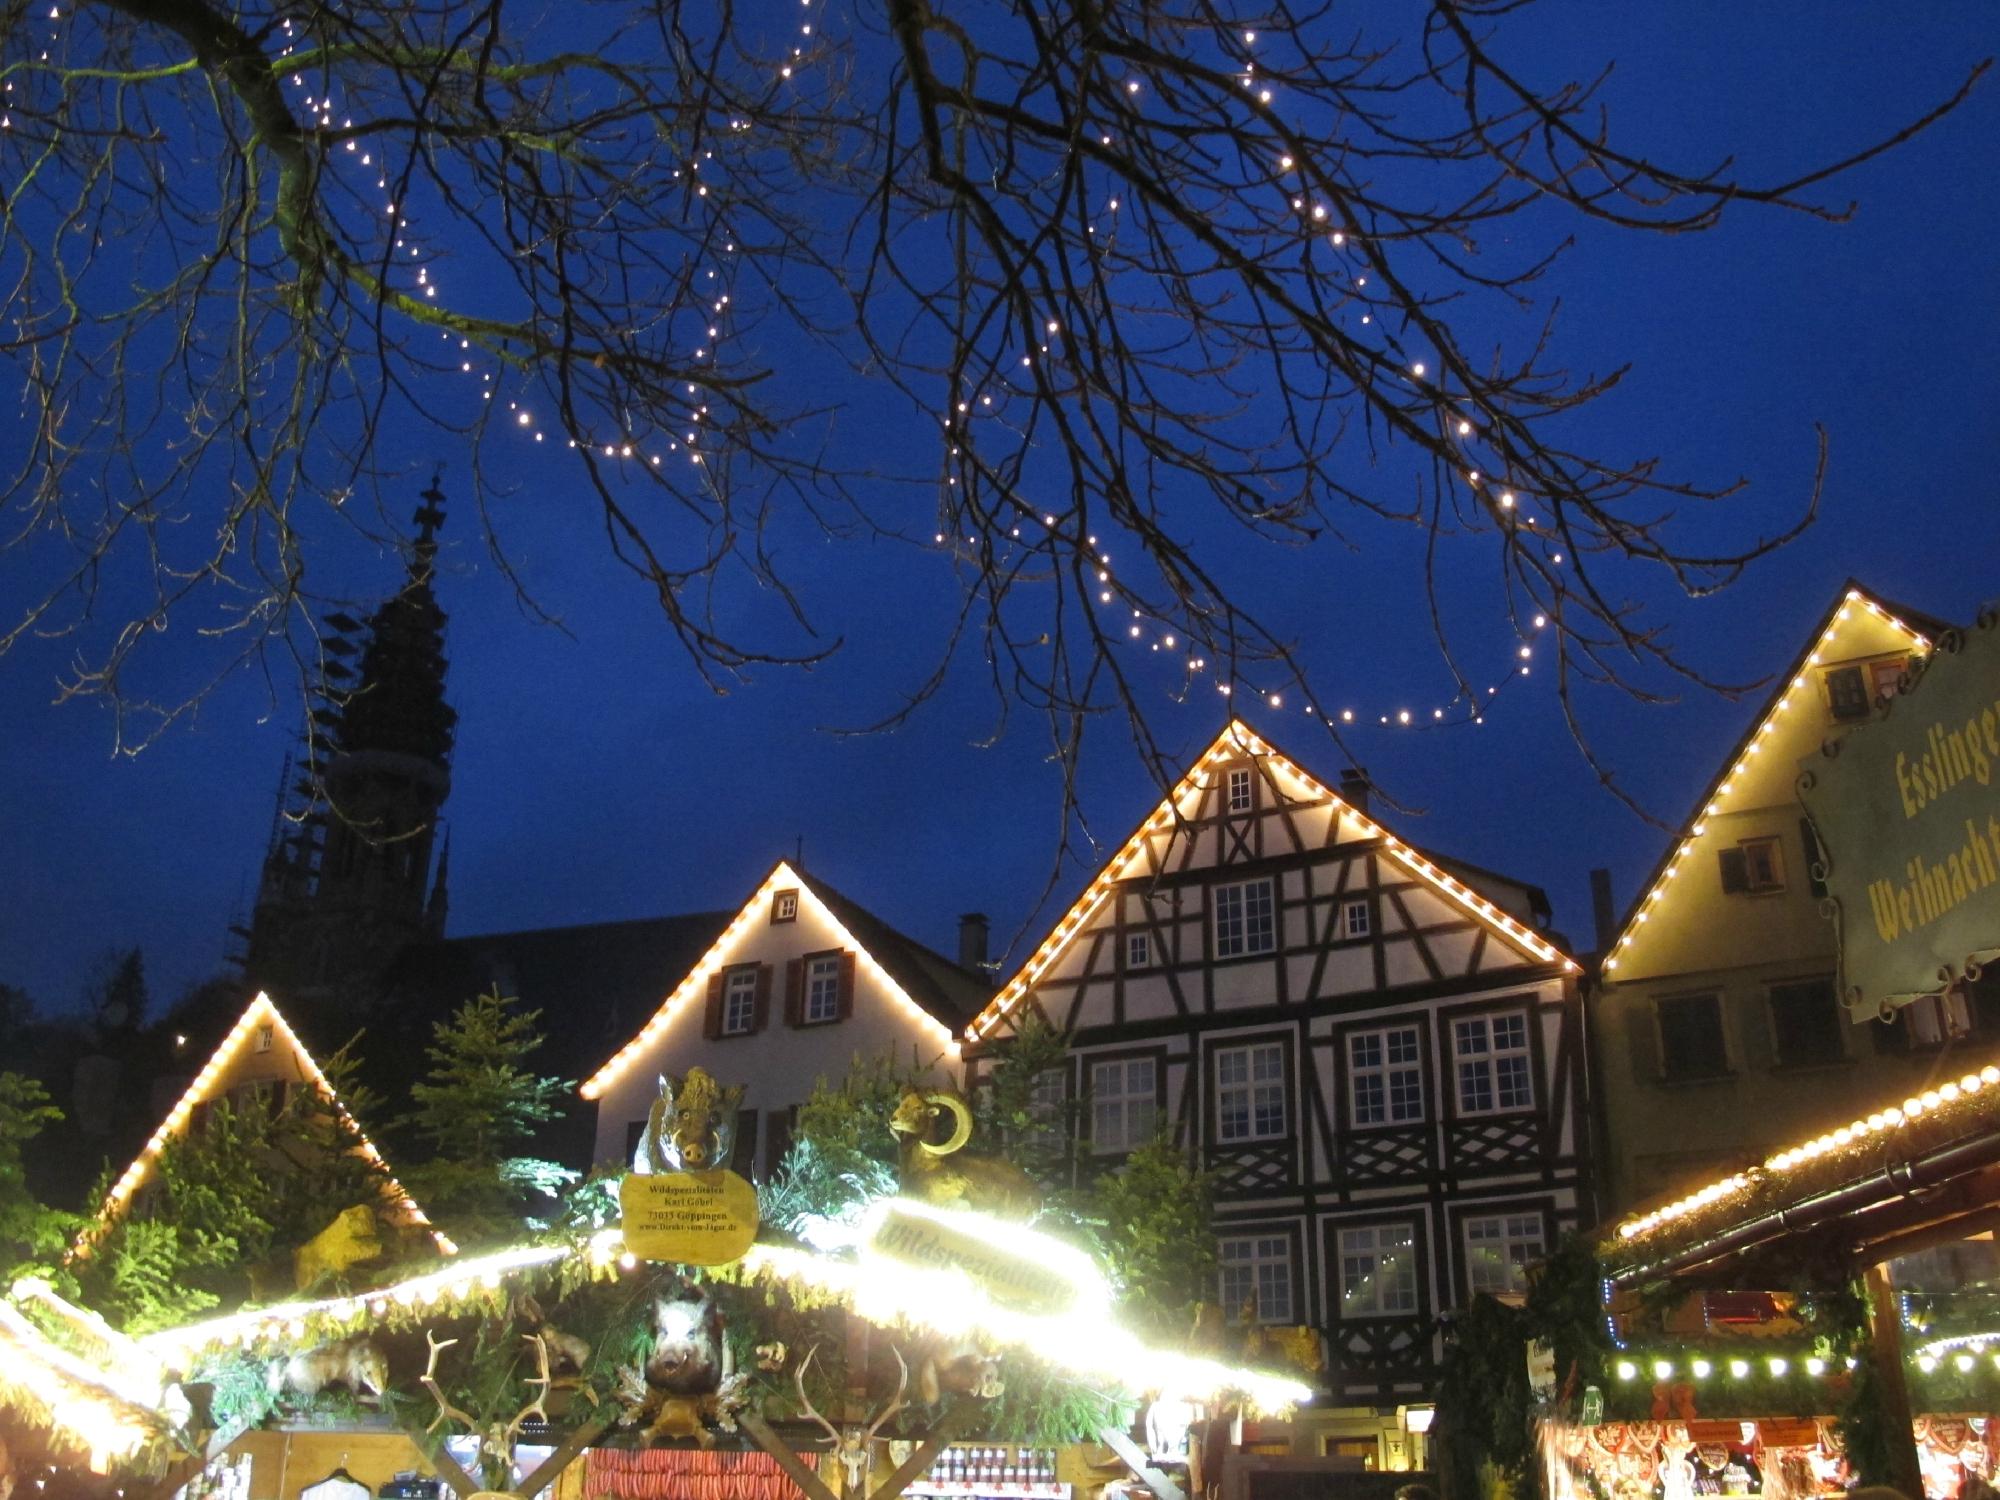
(1354,788)
(1601,912)
(972,940)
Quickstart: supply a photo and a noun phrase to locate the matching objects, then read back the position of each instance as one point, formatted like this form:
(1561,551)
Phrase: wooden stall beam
(1135,1460)
(919,1463)
(762,1435)
(1885,1330)
(567,1452)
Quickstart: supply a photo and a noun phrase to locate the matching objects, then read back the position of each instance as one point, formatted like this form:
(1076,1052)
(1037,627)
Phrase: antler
(895,1402)
(429,1379)
(812,1411)
(534,1408)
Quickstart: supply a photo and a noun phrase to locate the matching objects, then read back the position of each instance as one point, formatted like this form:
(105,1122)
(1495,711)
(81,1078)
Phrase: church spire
(377,772)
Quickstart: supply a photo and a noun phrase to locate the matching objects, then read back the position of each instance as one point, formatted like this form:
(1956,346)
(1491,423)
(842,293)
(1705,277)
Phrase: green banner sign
(1907,809)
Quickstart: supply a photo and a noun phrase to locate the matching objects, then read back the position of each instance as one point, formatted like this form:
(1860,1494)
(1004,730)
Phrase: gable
(1669,927)
(1212,821)
(748,938)
(260,1048)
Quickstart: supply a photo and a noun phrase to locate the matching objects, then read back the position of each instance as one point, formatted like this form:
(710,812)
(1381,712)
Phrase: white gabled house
(1376,1051)
(799,984)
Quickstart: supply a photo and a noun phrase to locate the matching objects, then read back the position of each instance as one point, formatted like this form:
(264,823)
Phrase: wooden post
(566,1453)
(919,1463)
(762,1435)
(1885,1335)
(1135,1460)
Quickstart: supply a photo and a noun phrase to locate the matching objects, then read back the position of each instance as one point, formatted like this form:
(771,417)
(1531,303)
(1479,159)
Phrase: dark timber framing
(1435,954)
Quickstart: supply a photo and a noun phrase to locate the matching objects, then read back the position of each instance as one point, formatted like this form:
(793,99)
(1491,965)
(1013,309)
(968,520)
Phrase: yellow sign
(695,1218)
(1021,1281)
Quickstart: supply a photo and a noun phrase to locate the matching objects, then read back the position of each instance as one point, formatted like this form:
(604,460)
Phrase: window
(1494,1069)
(1927,1021)
(1255,1273)
(1138,950)
(1691,1043)
(1847,693)
(1124,1104)
(265,1035)
(1355,920)
(1499,1250)
(1754,867)
(1885,678)
(1806,1022)
(822,989)
(739,1002)
(1242,790)
(1385,1076)
(1245,921)
(785,906)
(1250,1092)
(1378,1271)
(1048,1093)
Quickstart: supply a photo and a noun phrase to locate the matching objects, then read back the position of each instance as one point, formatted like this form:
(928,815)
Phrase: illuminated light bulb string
(1458,429)
(410,254)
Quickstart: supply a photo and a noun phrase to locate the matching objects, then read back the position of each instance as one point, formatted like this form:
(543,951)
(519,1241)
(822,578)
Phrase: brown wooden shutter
(777,1138)
(711,1025)
(1735,872)
(795,991)
(762,1011)
(846,985)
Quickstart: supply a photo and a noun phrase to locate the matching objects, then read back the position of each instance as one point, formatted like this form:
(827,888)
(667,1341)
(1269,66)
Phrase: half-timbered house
(1377,1052)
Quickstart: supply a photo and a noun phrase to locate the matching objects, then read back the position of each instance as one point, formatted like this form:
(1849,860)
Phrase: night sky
(597,778)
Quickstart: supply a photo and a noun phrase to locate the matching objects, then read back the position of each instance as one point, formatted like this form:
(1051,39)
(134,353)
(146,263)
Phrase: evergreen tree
(477,1107)
(119,999)
(1158,1237)
(32,1235)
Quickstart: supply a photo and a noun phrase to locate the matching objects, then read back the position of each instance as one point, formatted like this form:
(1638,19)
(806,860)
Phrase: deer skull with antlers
(850,1448)
(496,1444)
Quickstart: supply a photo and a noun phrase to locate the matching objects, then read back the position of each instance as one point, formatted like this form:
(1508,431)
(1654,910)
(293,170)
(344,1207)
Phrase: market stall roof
(261,1028)
(1904,1175)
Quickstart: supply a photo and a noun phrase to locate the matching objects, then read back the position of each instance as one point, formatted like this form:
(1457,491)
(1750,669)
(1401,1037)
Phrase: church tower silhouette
(343,889)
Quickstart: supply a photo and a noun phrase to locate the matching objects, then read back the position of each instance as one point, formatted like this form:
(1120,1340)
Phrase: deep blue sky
(596,778)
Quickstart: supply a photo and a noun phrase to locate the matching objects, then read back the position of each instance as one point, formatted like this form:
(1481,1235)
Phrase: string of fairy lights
(1012,377)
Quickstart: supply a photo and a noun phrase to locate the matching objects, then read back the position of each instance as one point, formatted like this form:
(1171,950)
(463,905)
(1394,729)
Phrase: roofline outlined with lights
(1238,739)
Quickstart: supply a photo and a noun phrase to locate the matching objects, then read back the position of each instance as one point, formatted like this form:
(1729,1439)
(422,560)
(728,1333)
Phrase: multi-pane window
(1495,1071)
(785,906)
(1691,1042)
(1385,1076)
(1242,793)
(1250,1092)
(1753,868)
(739,1003)
(1355,921)
(1124,1104)
(1245,919)
(1378,1271)
(1806,1022)
(1138,950)
(1847,693)
(1255,1275)
(1048,1093)
(822,989)
(1499,1250)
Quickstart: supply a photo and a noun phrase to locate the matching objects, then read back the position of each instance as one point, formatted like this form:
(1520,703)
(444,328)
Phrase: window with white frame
(1356,921)
(1245,919)
(822,989)
(1378,1271)
(1124,1104)
(1242,791)
(1495,1071)
(739,1003)
(1254,1272)
(1138,950)
(1250,1092)
(785,906)
(1385,1075)
(1498,1251)
(1048,1093)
